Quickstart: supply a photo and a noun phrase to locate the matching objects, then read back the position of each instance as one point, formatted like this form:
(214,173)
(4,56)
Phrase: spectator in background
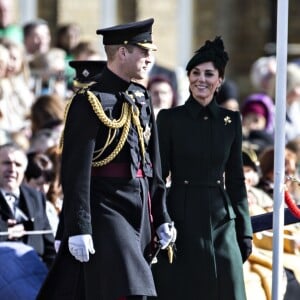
(37,38)
(39,175)
(295,145)
(4,137)
(4,86)
(258,120)
(258,268)
(262,75)
(67,38)
(13,110)
(258,113)
(260,262)
(47,112)
(291,259)
(292,147)
(227,95)
(48,73)
(86,50)
(22,208)
(9,29)
(266,159)
(158,69)
(292,102)
(55,193)
(43,139)
(259,201)
(162,93)
(18,67)
(18,75)
(47,115)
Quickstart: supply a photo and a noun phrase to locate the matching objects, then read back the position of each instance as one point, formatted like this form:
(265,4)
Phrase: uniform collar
(195,108)
(109,82)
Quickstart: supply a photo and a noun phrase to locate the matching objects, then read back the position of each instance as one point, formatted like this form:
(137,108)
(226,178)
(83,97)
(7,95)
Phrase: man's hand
(15,231)
(80,246)
(167,234)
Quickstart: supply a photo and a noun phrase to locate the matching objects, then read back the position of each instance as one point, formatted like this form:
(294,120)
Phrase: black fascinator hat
(211,51)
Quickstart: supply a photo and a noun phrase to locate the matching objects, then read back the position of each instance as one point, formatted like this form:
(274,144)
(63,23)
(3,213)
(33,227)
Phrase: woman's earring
(218,88)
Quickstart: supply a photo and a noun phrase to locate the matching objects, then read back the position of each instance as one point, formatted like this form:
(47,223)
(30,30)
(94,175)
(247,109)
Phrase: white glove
(80,246)
(57,245)
(167,234)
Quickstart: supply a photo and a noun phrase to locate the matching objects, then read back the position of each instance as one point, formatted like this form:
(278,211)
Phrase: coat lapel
(4,207)
(26,197)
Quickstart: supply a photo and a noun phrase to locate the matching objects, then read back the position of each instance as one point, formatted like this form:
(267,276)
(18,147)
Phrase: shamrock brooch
(227,120)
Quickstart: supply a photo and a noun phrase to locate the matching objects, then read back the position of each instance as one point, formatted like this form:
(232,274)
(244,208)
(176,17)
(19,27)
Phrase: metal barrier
(265,221)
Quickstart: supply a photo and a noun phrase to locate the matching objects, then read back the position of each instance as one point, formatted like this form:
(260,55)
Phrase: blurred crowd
(36,81)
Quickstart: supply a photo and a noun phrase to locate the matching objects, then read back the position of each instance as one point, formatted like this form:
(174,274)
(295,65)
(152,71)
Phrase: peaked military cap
(211,51)
(87,70)
(134,33)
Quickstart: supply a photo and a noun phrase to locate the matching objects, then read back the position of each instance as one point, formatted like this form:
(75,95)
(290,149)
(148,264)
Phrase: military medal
(147,134)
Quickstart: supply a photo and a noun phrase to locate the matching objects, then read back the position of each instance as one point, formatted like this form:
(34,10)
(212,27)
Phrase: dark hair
(266,159)
(39,165)
(47,111)
(28,27)
(62,31)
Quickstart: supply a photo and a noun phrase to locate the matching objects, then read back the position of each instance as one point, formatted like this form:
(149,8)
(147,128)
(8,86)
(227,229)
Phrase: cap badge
(85,73)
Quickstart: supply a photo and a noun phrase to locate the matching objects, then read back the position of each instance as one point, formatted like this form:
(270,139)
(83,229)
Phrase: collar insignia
(139,94)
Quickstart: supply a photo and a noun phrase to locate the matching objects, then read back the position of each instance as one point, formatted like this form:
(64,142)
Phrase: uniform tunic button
(186,182)
(218,181)
(205,118)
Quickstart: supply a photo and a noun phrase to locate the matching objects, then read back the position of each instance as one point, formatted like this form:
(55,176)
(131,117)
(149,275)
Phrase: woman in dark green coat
(200,146)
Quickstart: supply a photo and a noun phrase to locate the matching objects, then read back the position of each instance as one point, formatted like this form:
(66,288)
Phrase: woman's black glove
(245,245)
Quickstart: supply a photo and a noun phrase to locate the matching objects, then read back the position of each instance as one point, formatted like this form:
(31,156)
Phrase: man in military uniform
(114,196)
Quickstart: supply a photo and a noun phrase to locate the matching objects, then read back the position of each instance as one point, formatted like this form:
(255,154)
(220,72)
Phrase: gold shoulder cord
(136,121)
(124,121)
(81,85)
